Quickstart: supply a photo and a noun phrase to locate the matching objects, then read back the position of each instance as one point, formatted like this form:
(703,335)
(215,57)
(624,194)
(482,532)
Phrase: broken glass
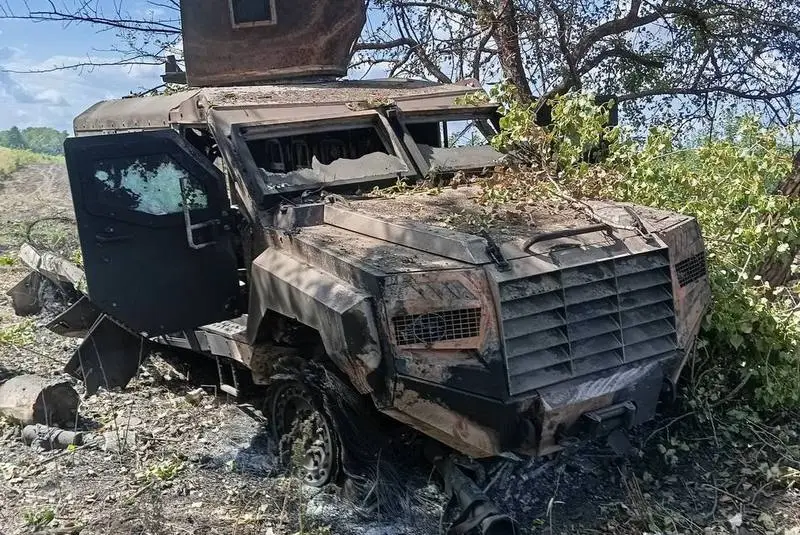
(152,184)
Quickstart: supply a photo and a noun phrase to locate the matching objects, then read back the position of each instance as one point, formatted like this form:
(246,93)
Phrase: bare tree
(142,39)
(704,56)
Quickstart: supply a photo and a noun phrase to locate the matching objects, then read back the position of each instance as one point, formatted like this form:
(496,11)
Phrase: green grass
(19,334)
(13,159)
(39,518)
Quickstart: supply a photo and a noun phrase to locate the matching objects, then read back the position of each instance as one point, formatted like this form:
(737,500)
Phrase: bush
(753,330)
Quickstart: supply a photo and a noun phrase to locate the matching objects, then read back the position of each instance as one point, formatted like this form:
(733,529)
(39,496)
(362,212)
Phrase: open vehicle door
(156,230)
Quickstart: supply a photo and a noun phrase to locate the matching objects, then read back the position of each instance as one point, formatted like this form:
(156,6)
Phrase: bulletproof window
(246,13)
(153,184)
(308,154)
(300,151)
(453,141)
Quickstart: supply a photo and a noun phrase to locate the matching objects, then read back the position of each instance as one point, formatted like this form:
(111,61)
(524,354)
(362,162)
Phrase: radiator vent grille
(437,327)
(586,319)
(692,269)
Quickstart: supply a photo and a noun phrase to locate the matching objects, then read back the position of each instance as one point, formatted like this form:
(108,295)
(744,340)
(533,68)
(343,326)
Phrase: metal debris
(50,438)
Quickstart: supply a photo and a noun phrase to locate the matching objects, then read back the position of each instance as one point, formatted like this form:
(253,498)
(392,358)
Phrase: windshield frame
(486,113)
(242,133)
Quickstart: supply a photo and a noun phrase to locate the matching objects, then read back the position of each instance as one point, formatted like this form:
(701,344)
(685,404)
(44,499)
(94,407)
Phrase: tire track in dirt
(38,190)
(38,193)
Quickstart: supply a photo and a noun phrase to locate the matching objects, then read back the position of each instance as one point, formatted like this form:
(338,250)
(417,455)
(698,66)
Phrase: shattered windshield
(454,142)
(312,157)
(150,184)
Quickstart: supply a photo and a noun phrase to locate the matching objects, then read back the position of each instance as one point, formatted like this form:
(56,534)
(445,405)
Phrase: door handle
(105,238)
(191,227)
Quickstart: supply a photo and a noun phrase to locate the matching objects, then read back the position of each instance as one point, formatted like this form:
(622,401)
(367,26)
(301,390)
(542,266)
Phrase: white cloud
(55,98)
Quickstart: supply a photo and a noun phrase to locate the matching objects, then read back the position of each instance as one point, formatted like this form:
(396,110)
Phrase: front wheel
(306,439)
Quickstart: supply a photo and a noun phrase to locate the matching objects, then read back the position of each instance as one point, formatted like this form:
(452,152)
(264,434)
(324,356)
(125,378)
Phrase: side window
(154,184)
(247,13)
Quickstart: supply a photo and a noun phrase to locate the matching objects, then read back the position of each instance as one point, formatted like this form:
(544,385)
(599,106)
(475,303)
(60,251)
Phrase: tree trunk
(508,48)
(777,269)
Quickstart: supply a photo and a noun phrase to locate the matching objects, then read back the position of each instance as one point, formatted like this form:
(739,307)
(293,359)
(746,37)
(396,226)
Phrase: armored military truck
(266,217)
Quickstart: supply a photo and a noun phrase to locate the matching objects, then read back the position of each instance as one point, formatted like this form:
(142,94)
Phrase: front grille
(692,269)
(437,327)
(585,319)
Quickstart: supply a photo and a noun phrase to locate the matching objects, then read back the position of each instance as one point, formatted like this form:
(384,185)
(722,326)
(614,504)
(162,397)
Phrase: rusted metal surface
(354,95)
(459,431)
(291,39)
(560,407)
(439,241)
(265,104)
(144,113)
(341,314)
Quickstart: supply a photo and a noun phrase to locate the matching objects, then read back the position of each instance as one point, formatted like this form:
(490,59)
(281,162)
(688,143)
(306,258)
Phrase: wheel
(307,440)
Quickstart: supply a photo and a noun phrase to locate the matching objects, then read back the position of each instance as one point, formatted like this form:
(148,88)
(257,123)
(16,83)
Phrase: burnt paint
(478,377)
(356,332)
(493,414)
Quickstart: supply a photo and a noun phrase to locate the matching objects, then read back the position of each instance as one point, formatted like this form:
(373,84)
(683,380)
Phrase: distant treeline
(43,140)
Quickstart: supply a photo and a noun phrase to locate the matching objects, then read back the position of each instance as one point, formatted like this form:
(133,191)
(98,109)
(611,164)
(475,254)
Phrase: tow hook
(479,515)
(610,423)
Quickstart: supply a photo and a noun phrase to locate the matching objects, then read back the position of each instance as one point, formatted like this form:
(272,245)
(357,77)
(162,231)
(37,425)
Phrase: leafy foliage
(39,518)
(42,140)
(753,329)
(671,59)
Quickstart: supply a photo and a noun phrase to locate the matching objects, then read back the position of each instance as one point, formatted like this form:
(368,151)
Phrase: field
(11,160)
(195,463)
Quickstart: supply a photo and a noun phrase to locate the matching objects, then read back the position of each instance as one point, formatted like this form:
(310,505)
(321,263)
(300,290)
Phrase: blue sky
(53,99)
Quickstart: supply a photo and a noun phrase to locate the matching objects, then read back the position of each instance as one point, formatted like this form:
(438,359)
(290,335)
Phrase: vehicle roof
(190,106)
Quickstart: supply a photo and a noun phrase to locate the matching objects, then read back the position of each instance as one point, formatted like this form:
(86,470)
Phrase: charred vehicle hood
(453,228)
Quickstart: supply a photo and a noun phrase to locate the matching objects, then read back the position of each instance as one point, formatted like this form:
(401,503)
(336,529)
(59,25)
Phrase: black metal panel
(25,295)
(109,356)
(76,320)
(141,265)
(586,319)
(691,269)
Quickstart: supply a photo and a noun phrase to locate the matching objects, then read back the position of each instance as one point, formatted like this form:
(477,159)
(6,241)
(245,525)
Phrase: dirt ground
(198,464)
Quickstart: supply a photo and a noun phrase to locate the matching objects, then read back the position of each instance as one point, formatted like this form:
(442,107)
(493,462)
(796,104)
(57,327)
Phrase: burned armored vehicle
(258,221)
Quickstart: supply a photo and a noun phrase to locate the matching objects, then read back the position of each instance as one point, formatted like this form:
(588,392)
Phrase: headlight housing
(443,310)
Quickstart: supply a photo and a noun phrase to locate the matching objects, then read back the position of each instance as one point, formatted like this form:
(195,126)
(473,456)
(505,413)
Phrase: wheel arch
(342,315)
